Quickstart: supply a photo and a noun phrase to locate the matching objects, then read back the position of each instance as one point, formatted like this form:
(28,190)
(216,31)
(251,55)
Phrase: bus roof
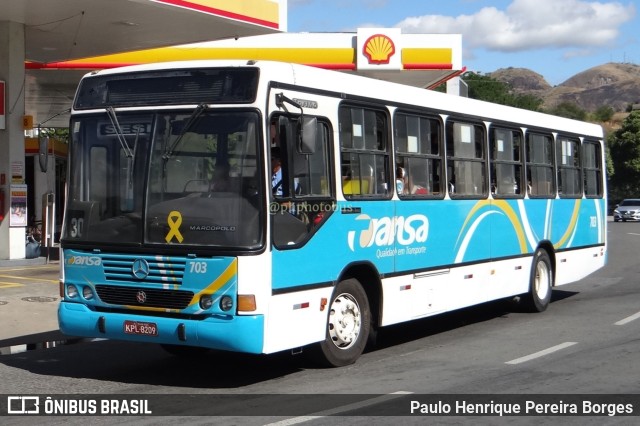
(394,93)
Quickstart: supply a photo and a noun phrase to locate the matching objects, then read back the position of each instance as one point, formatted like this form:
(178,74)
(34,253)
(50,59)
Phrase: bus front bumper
(229,333)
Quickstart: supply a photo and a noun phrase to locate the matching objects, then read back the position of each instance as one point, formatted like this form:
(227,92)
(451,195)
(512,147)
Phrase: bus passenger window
(466,159)
(540,181)
(592,160)
(568,157)
(364,153)
(506,165)
(417,146)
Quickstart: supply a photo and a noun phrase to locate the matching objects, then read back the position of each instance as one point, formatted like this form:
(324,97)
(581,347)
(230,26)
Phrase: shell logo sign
(378,49)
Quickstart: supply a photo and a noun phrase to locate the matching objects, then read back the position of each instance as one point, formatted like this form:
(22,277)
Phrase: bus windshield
(165,178)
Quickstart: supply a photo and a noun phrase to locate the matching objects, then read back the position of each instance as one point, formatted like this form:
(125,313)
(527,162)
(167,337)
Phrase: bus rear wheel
(348,325)
(541,282)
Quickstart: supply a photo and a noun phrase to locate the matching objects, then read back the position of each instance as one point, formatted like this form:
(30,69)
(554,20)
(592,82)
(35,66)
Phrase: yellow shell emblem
(378,49)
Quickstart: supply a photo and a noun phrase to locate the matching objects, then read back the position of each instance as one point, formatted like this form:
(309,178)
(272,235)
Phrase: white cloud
(531,24)
(580,53)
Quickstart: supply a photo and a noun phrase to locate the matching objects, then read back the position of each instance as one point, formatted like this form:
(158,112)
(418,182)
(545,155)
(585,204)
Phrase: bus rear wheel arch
(348,325)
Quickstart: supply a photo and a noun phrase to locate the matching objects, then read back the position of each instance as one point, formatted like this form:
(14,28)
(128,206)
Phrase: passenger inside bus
(276,174)
(409,183)
(289,229)
(401,180)
(276,171)
(221,179)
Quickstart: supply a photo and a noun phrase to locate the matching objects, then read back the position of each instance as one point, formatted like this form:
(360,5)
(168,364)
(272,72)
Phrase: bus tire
(348,325)
(541,282)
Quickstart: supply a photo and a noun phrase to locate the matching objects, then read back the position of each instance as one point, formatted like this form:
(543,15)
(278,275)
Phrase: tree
(569,110)
(486,88)
(58,133)
(624,148)
(489,89)
(529,102)
(603,114)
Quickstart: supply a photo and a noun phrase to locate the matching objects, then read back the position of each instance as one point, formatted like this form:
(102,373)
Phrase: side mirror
(307,135)
(43,152)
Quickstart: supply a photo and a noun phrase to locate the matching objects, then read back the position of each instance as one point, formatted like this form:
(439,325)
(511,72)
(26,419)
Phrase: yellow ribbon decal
(174,220)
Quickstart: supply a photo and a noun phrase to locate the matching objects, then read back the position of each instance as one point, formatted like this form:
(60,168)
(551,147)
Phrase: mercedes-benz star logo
(141,297)
(140,269)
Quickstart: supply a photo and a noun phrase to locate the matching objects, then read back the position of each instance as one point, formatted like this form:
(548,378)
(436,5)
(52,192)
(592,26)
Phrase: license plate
(142,328)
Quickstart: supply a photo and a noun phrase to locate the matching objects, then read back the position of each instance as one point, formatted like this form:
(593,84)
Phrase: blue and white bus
(393,203)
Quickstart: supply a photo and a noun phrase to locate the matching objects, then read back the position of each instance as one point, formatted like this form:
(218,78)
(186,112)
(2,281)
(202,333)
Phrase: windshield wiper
(128,152)
(133,160)
(192,119)
(116,126)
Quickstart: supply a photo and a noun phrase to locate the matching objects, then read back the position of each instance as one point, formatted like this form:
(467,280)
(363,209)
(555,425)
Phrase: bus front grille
(158,269)
(152,298)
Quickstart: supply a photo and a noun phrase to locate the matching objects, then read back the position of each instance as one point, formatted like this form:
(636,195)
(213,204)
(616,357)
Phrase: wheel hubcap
(542,280)
(345,321)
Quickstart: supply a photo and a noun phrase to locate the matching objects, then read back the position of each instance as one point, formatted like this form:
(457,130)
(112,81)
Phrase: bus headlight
(72,291)
(206,301)
(226,303)
(87,293)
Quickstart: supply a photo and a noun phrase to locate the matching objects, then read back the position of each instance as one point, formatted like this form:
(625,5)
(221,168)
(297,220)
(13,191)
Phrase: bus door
(301,199)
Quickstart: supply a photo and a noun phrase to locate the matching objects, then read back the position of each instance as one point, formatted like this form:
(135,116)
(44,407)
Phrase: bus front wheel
(348,325)
(541,282)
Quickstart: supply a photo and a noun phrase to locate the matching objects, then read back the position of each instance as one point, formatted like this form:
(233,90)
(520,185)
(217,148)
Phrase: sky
(555,38)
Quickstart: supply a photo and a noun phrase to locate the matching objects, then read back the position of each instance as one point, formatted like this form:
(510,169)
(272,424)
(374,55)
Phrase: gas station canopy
(63,30)
(65,39)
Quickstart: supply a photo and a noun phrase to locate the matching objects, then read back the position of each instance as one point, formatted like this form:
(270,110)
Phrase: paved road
(29,296)
(585,343)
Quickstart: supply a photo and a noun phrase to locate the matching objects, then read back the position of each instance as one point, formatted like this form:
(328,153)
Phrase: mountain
(614,84)
(522,80)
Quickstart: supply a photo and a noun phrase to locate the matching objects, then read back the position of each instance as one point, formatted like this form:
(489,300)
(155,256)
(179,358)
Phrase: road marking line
(9,285)
(632,233)
(628,319)
(15,277)
(30,268)
(342,409)
(541,353)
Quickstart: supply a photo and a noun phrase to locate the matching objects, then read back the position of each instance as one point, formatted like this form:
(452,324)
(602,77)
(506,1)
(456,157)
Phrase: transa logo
(386,231)
(84,261)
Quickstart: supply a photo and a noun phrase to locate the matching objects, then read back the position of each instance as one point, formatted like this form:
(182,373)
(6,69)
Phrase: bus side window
(364,156)
(466,159)
(506,165)
(592,159)
(418,155)
(568,158)
(540,181)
